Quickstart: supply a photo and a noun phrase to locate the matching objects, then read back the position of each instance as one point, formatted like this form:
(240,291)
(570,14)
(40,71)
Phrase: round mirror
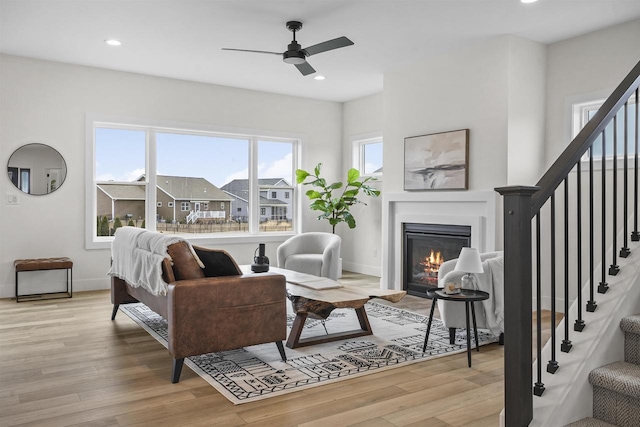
(36,169)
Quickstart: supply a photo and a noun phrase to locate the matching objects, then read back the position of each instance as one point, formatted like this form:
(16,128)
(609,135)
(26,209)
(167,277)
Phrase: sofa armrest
(224,313)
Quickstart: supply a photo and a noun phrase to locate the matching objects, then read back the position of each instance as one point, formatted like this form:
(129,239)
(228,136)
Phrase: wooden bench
(40,264)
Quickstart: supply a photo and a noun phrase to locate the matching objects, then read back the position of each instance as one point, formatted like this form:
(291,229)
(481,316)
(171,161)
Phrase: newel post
(518,382)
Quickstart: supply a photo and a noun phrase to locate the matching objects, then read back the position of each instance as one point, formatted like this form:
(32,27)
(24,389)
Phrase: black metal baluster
(591,304)
(635,235)
(603,287)
(552,366)
(579,324)
(538,388)
(566,342)
(625,251)
(613,268)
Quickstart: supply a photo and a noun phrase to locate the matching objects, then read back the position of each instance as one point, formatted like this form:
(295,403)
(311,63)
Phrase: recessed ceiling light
(113,42)
(528,1)
(319,77)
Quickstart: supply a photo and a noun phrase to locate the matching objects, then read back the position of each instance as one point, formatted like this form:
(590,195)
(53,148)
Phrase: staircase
(616,386)
(572,243)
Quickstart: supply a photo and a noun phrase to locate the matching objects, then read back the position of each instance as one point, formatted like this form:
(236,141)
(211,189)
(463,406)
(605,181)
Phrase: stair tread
(620,377)
(590,422)
(631,324)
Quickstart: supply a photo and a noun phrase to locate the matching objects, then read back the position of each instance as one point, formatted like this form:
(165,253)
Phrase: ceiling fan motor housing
(294,54)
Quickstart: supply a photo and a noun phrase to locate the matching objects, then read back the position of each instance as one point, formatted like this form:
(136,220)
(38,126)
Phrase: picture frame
(438,161)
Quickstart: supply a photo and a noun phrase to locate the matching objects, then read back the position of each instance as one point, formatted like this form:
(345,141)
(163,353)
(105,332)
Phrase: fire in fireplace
(426,247)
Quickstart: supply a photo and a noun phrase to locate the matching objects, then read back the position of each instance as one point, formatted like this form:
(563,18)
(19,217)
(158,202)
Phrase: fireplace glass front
(426,247)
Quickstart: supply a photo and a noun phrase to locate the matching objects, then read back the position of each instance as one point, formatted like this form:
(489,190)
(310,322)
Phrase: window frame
(151,127)
(580,117)
(358,143)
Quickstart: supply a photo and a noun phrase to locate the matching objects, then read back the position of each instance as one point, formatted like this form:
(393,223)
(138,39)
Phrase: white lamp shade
(469,261)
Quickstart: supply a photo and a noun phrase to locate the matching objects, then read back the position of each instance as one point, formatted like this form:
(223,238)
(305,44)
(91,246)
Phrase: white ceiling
(182,39)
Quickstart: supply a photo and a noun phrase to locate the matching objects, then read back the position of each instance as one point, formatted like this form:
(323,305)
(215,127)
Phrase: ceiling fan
(297,55)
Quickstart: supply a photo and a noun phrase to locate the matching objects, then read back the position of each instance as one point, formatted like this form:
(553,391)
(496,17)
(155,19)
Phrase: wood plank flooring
(65,363)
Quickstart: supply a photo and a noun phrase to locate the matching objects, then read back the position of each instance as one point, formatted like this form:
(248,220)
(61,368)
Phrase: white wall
(464,89)
(525,111)
(361,247)
(46,102)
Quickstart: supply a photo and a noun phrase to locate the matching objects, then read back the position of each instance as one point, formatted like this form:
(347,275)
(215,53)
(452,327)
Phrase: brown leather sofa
(224,311)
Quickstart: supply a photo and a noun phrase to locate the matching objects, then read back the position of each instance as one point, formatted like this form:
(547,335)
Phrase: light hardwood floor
(65,363)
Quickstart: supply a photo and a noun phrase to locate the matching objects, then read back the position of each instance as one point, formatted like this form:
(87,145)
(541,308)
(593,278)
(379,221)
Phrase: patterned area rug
(257,372)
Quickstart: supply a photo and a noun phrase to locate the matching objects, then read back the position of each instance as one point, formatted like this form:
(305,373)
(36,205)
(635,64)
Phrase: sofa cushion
(185,265)
(217,262)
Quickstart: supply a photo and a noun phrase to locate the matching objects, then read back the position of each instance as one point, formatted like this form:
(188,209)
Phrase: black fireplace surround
(425,247)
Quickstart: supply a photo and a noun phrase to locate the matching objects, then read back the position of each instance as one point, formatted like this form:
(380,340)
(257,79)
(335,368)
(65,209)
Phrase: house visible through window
(199,166)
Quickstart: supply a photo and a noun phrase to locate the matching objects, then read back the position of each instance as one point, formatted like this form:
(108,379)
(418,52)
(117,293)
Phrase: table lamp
(469,262)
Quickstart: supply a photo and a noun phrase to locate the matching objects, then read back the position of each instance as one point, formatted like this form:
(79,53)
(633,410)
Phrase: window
(367,154)
(584,112)
(274,195)
(263,211)
(286,194)
(188,158)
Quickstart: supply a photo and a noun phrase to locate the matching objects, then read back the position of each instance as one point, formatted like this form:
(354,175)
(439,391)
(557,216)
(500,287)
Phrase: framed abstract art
(439,161)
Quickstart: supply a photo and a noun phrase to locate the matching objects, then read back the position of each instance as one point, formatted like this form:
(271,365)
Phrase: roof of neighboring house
(263,200)
(238,186)
(123,191)
(190,188)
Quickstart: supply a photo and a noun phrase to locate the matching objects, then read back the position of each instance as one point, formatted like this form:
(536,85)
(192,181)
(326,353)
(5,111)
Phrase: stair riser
(615,408)
(632,348)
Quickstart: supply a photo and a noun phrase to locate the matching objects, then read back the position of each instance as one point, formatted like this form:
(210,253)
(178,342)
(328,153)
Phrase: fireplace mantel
(474,208)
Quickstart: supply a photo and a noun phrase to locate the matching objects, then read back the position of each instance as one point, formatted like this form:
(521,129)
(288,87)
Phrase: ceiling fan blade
(254,51)
(328,45)
(305,68)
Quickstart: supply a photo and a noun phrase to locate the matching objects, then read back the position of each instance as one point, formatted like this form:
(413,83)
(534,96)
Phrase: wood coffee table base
(294,340)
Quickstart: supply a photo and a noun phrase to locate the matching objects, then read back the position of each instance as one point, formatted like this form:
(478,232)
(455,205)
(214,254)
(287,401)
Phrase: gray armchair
(312,253)
(452,313)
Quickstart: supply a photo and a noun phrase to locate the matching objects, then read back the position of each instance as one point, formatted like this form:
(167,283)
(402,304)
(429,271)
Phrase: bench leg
(115,311)
(281,350)
(177,370)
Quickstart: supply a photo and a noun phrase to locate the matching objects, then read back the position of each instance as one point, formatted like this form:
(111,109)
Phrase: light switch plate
(12,199)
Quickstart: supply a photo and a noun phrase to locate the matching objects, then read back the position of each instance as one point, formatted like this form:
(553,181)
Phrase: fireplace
(425,248)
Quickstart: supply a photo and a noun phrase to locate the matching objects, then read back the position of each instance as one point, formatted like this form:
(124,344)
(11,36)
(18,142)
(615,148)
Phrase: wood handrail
(582,142)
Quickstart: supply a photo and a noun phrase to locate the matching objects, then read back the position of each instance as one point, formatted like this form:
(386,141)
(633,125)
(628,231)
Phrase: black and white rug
(257,372)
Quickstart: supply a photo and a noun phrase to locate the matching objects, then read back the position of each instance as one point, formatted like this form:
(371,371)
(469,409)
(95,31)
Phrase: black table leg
(475,328)
(466,313)
(426,337)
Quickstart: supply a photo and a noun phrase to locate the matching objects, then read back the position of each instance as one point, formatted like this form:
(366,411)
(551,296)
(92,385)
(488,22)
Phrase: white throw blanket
(492,281)
(137,256)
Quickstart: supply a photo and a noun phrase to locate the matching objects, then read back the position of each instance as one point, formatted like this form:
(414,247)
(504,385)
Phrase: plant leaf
(317,169)
(301,175)
(313,194)
(335,185)
(353,175)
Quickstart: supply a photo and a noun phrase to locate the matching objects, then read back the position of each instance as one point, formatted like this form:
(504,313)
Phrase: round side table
(468,296)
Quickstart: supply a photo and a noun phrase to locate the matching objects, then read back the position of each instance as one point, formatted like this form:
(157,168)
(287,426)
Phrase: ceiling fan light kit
(297,55)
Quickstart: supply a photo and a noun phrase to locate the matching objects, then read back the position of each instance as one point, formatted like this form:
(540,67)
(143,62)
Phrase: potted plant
(334,206)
